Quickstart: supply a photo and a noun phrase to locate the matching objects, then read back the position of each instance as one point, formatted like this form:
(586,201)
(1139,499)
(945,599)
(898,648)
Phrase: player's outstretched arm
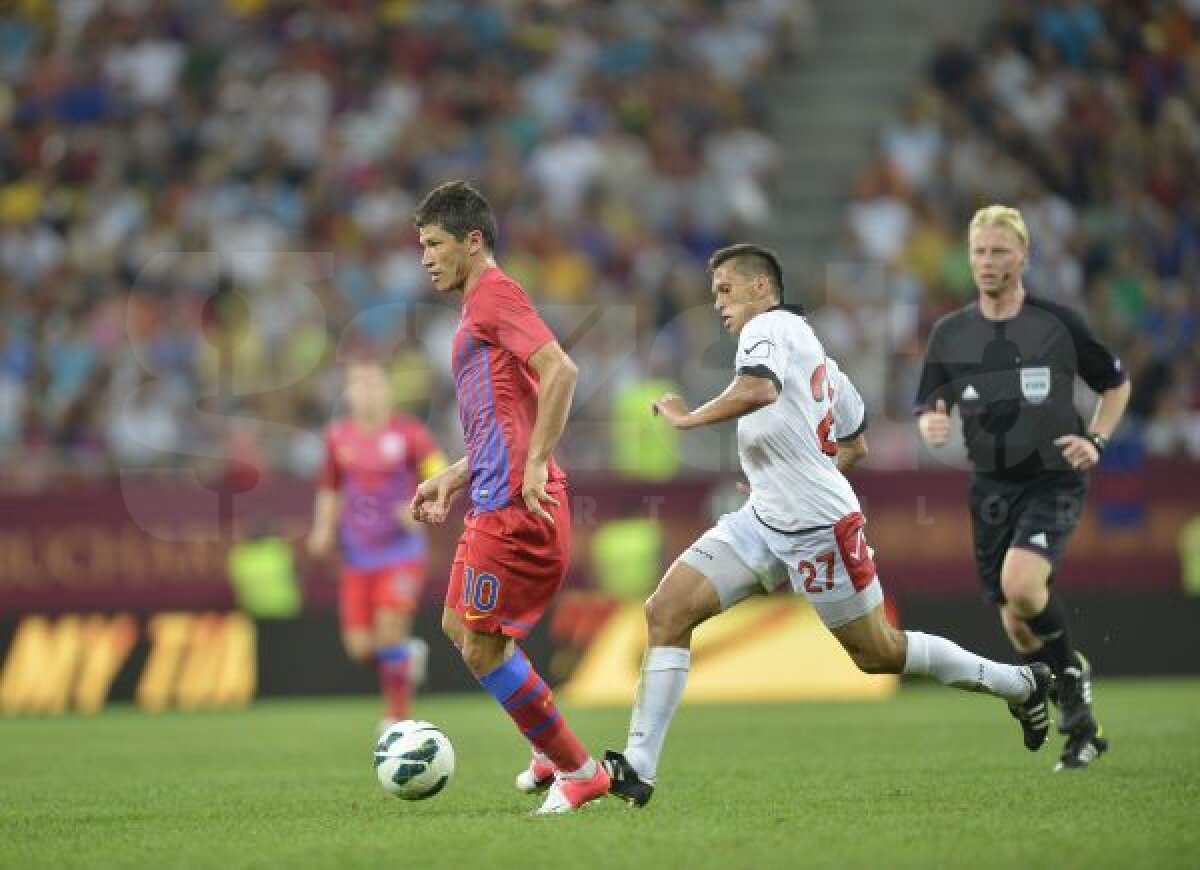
(326,509)
(745,395)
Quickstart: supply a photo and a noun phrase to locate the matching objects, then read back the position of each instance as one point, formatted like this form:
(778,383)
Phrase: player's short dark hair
(458,208)
(751,260)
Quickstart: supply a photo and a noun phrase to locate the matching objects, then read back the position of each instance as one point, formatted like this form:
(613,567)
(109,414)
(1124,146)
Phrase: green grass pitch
(931,778)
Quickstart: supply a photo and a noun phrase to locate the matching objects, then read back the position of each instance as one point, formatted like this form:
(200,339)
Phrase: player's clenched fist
(1078,451)
(935,425)
(431,502)
(671,408)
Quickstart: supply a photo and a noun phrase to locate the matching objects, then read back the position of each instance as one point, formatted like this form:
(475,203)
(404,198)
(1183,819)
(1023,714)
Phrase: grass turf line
(933,777)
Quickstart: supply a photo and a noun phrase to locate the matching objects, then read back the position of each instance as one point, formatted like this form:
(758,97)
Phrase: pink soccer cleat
(568,794)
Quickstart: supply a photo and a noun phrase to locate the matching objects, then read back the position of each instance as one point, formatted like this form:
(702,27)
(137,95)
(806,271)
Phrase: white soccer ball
(414,760)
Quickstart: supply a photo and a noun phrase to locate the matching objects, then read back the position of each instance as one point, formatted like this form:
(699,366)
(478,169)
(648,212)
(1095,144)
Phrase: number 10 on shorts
(480,589)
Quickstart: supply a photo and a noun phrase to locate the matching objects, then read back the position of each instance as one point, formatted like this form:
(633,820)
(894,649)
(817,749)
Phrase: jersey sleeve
(761,353)
(1097,365)
(508,319)
(935,376)
(849,410)
(330,475)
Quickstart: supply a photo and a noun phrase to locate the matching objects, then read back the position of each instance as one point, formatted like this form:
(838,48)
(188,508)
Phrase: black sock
(1050,627)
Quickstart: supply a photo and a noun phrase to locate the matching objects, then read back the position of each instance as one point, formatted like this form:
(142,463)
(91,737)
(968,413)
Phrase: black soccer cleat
(626,783)
(1082,748)
(1034,712)
(1075,697)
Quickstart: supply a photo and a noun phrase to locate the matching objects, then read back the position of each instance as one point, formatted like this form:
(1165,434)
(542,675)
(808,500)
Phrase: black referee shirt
(1013,382)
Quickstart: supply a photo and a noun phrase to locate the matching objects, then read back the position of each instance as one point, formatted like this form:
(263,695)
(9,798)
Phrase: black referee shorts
(1038,514)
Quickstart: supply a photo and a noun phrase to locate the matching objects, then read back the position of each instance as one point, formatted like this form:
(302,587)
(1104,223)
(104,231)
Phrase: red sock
(527,699)
(393,680)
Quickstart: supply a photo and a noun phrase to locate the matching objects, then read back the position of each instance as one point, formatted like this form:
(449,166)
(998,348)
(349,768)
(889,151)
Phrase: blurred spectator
(1085,116)
(262,571)
(202,202)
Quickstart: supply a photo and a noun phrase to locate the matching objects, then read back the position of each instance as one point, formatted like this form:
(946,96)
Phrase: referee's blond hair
(1000,216)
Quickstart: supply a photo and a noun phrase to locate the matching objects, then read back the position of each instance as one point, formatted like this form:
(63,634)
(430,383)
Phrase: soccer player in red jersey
(374,459)
(514,384)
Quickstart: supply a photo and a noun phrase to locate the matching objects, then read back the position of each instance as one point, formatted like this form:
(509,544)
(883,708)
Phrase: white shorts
(832,566)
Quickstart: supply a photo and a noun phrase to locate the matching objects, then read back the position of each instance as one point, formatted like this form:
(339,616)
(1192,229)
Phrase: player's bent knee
(1022,594)
(676,607)
(474,656)
(359,648)
(391,628)
(662,612)
(1023,580)
(665,622)
(483,653)
(1019,632)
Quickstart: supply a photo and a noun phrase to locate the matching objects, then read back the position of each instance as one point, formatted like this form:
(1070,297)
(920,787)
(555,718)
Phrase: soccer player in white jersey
(800,426)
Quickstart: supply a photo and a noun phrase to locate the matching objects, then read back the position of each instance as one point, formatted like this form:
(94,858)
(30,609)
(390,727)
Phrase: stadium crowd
(1085,116)
(204,204)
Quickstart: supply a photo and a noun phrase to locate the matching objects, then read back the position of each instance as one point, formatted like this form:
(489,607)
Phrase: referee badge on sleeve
(1035,384)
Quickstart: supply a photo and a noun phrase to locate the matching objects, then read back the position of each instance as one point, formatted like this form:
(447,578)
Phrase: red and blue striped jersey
(497,389)
(376,471)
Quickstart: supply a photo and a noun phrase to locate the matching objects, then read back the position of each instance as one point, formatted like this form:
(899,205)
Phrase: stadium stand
(191,235)
(1084,116)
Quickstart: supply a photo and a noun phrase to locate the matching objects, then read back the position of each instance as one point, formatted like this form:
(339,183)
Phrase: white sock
(950,664)
(586,772)
(664,675)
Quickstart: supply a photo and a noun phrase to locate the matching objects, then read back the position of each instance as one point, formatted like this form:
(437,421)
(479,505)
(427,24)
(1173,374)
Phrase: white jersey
(788,449)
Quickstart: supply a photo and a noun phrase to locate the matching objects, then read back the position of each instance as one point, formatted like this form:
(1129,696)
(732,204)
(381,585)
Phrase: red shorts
(508,567)
(392,587)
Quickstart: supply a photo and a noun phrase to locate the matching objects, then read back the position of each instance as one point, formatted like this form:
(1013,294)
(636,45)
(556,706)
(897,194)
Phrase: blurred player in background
(800,427)
(1009,361)
(374,459)
(514,384)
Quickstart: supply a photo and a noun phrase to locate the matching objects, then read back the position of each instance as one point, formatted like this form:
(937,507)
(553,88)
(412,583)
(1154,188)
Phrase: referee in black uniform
(1009,361)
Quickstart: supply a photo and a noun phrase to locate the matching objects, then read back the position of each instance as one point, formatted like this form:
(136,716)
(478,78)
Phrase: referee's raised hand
(935,425)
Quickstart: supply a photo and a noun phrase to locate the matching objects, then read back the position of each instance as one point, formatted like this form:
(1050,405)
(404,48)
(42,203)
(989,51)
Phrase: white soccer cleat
(555,803)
